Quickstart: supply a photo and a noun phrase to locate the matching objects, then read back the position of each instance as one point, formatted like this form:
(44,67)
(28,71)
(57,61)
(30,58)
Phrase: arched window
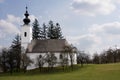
(61,56)
(25,34)
(40,56)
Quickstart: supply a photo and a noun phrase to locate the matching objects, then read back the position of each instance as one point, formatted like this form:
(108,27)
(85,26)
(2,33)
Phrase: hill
(88,72)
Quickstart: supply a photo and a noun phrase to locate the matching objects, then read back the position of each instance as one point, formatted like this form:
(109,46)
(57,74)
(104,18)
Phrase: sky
(90,25)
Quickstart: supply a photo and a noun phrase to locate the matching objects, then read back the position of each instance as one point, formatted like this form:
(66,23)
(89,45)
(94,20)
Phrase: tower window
(25,34)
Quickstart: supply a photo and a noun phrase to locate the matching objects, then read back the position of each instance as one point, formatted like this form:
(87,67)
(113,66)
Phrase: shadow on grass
(44,71)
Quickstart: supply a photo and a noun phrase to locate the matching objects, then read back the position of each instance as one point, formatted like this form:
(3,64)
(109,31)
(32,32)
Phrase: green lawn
(88,72)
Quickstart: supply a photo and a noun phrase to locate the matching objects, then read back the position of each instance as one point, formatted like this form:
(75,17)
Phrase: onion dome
(26,20)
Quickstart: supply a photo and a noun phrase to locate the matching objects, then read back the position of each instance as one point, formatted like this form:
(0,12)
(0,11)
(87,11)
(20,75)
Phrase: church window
(25,34)
(61,56)
(40,56)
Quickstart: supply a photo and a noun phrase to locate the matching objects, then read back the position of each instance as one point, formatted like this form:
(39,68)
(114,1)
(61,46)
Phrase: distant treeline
(108,56)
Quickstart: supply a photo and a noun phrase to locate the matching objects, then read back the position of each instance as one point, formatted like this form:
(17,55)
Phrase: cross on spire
(26,8)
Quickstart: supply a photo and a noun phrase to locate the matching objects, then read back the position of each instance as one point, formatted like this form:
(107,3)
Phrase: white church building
(34,48)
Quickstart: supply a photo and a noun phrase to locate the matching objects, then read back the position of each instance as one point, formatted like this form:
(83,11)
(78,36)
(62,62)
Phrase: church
(34,48)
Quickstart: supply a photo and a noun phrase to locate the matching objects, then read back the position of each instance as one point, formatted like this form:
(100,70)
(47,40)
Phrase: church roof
(49,45)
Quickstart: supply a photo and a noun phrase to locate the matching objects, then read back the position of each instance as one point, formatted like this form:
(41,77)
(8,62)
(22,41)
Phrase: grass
(88,72)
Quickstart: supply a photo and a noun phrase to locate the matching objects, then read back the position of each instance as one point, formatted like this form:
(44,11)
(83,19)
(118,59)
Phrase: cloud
(98,37)
(117,1)
(32,18)
(93,7)
(9,25)
(13,19)
(107,28)
(85,42)
(108,33)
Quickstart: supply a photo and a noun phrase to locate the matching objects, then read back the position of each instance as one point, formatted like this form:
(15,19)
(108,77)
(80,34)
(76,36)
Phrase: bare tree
(96,59)
(70,51)
(51,59)
(25,61)
(82,58)
(40,62)
(63,60)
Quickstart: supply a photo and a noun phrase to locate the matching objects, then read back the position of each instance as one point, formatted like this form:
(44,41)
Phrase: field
(88,72)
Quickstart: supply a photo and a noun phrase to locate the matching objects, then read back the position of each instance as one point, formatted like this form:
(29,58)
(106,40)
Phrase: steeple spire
(26,20)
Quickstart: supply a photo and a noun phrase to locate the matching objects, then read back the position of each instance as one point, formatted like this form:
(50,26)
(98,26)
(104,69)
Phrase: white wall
(26,40)
(33,57)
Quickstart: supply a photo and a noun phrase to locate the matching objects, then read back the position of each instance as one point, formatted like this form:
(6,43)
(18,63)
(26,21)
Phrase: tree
(63,60)
(51,59)
(15,50)
(54,31)
(11,58)
(51,32)
(80,58)
(69,50)
(40,61)
(12,63)
(118,55)
(25,61)
(103,58)
(96,59)
(36,30)
(7,60)
(3,60)
(44,32)
(58,33)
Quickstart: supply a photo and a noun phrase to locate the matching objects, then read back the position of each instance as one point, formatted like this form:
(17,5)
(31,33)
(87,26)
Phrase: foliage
(96,58)
(54,31)
(44,31)
(36,30)
(50,31)
(108,56)
(15,51)
(11,58)
(3,60)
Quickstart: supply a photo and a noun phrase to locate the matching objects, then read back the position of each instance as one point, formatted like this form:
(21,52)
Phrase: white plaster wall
(33,57)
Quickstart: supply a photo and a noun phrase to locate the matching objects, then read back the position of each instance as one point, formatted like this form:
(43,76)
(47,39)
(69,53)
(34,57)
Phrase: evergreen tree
(16,51)
(50,33)
(58,33)
(36,30)
(3,60)
(54,31)
(44,31)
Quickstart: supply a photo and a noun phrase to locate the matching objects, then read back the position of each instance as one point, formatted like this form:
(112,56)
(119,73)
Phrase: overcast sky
(91,25)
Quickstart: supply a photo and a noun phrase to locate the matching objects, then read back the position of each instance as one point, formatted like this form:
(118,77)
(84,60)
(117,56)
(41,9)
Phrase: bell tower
(26,31)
